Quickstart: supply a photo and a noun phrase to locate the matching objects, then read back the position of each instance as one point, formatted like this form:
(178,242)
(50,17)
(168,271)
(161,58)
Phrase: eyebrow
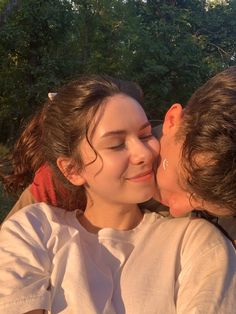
(119,132)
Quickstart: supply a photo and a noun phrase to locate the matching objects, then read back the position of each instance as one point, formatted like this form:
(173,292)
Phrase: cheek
(166,178)
(154,146)
(107,167)
(88,155)
(115,165)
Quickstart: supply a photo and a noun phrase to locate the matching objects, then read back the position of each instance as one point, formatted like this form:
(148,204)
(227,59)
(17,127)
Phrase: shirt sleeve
(24,264)
(207,281)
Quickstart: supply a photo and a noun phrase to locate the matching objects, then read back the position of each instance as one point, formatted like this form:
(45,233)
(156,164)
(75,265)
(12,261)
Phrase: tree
(34,57)
(170,47)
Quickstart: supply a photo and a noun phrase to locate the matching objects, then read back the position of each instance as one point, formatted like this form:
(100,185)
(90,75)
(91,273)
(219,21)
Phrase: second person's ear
(172,119)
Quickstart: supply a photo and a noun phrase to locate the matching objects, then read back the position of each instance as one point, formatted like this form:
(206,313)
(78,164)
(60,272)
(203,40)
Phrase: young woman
(109,256)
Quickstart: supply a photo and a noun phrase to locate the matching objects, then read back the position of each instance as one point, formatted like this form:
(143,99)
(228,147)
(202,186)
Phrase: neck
(119,217)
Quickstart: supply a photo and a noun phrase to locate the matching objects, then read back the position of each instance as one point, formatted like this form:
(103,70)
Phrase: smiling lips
(147,175)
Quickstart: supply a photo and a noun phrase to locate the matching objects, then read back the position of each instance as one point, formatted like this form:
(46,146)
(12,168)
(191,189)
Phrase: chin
(177,212)
(144,198)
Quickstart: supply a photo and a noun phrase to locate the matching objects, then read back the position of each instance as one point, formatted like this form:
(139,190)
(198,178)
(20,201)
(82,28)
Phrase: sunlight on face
(119,167)
(170,191)
(172,183)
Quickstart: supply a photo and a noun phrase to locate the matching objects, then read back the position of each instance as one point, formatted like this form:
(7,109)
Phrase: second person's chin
(179,212)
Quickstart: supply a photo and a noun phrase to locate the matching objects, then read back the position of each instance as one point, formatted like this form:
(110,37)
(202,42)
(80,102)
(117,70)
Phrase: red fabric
(43,187)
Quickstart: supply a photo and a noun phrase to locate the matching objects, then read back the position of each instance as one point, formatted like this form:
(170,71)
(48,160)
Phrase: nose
(141,153)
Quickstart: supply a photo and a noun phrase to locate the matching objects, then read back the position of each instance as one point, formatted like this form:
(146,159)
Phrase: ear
(172,119)
(64,164)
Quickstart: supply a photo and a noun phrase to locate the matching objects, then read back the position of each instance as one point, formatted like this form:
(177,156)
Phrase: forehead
(118,112)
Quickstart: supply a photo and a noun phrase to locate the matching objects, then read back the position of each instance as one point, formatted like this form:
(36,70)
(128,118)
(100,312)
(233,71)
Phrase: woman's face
(123,169)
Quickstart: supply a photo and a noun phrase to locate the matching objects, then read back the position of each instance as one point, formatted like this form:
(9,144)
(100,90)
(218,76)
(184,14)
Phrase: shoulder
(203,243)
(190,227)
(206,263)
(41,210)
(38,229)
(198,231)
(41,220)
(190,234)
(204,232)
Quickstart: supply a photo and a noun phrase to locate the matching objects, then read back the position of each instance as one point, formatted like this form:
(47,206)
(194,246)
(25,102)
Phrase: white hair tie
(51,95)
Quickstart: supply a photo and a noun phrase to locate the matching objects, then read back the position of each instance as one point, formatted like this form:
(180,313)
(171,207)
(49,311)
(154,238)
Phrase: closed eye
(122,145)
(117,147)
(146,137)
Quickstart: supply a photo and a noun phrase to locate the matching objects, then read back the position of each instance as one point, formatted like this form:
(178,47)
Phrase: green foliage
(3,150)
(6,203)
(3,5)
(169,47)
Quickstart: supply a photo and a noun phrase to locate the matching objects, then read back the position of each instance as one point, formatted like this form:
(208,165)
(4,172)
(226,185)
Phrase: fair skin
(123,174)
(170,175)
(170,179)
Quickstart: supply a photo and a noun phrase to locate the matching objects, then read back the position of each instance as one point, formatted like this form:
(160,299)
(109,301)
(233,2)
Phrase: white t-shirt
(49,261)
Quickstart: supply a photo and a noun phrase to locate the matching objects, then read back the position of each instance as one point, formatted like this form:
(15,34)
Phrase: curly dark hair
(209,148)
(58,129)
(18,168)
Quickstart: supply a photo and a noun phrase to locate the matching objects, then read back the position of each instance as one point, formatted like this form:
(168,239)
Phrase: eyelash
(146,137)
(122,145)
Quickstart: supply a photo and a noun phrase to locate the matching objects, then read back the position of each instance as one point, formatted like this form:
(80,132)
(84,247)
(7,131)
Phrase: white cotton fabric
(49,261)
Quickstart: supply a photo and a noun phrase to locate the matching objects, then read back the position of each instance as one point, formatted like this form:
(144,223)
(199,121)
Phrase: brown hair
(58,129)
(209,148)
(24,160)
